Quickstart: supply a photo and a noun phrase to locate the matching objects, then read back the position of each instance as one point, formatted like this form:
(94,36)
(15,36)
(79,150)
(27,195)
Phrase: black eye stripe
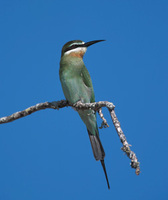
(74,46)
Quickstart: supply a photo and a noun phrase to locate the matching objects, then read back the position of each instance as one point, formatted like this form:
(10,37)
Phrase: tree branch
(96,106)
(104,123)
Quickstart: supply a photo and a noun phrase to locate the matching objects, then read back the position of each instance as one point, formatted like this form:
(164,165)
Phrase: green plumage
(77,86)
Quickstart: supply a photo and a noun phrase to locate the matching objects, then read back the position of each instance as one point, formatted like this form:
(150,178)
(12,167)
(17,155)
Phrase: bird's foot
(77,105)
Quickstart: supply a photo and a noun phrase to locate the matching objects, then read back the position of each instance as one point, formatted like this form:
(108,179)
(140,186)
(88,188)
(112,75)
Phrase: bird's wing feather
(88,82)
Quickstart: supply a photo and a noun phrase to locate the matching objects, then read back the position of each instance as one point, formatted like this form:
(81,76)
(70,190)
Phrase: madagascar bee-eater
(77,86)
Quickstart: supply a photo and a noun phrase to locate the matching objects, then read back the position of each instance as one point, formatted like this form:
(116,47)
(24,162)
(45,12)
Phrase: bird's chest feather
(74,88)
(72,82)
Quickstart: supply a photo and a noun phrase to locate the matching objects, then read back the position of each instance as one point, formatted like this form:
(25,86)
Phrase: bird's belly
(75,90)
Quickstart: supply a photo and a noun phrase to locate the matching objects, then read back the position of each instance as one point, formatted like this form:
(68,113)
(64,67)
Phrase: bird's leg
(78,103)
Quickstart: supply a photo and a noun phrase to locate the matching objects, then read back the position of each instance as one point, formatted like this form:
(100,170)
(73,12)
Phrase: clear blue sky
(47,155)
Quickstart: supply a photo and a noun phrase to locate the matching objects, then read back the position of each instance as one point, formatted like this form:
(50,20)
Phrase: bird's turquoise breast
(71,79)
(75,89)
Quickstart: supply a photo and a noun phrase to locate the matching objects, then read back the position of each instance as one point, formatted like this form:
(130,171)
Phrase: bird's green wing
(88,82)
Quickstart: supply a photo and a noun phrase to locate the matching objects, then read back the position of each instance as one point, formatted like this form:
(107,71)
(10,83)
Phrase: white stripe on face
(76,50)
(76,43)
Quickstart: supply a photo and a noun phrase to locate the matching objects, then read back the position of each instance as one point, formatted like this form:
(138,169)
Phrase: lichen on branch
(96,106)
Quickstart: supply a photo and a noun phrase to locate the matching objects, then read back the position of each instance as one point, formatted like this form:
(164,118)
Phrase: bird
(77,87)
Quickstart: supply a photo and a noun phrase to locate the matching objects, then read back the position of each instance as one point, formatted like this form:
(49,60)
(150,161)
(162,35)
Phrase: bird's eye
(72,46)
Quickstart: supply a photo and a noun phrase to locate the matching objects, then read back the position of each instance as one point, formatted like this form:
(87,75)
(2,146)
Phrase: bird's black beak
(87,44)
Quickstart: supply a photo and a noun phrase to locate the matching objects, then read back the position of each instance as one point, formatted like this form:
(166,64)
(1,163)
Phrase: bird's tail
(104,168)
(98,152)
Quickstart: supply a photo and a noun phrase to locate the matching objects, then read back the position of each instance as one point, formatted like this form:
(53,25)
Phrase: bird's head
(77,47)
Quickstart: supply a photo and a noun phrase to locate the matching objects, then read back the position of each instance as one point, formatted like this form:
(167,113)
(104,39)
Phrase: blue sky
(47,155)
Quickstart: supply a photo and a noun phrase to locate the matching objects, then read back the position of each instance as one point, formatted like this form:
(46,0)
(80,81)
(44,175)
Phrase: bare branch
(126,147)
(32,109)
(104,123)
(96,106)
